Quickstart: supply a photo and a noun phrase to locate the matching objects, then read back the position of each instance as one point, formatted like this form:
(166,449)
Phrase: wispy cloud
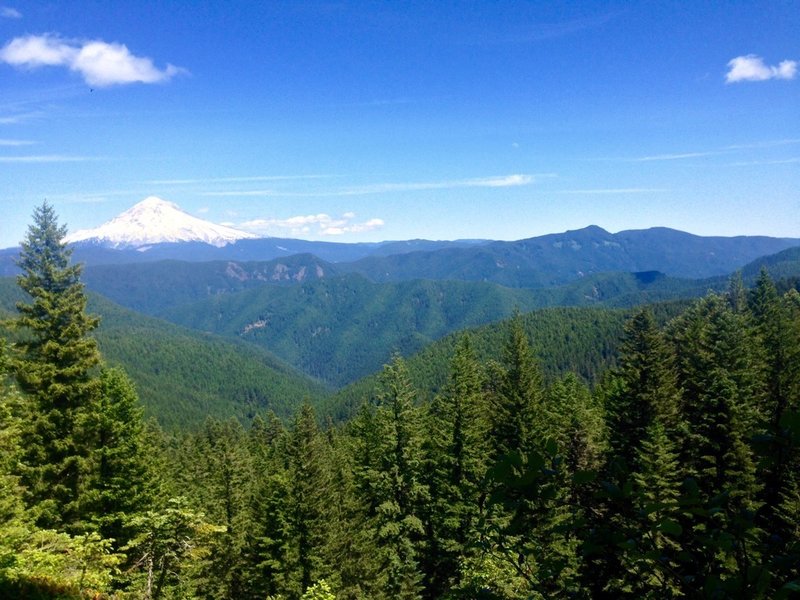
(14,119)
(606,191)
(46,158)
(15,143)
(252,178)
(7,12)
(730,149)
(502,181)
(753,68)
(679,156)
(319,224)
(100,63)
(766,144)
(780,161)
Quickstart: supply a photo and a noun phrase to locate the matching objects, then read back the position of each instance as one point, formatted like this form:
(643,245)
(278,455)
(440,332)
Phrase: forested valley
(670,470)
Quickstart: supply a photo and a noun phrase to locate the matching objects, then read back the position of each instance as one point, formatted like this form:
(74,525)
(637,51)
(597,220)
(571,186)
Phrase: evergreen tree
(576,422)
(647,392)
(54,368)
(651,566)
(14,528)
(777,322)
(222,492)
(456,451)
(307,500)
(269,539)
(118,481)
(641,401)
(516,398)
(722,377)
(392,480)
(350,550)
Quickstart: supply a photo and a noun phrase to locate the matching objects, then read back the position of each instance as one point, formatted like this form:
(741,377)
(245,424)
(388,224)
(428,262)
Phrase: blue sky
(357,121)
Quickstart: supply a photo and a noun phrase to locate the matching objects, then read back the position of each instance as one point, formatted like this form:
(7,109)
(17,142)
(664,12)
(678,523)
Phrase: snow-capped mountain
(156,221)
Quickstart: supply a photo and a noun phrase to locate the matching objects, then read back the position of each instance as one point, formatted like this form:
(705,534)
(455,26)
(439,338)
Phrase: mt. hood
(156,221)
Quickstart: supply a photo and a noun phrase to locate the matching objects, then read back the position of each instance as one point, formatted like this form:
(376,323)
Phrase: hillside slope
(182,376)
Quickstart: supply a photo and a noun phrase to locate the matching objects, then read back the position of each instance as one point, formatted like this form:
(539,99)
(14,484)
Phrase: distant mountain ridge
(557,259)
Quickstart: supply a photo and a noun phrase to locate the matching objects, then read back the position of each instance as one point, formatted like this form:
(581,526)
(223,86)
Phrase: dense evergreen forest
(675,474)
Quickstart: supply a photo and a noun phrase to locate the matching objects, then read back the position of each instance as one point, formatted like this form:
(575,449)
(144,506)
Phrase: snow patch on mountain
(156,221)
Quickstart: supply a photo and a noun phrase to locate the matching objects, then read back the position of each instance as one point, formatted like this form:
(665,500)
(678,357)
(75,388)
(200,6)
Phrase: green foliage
(456,450)
(236,379)
(118,480)
(319,591)
(647,391)
(167,548)
(184,376)
(53,365)
(516,396)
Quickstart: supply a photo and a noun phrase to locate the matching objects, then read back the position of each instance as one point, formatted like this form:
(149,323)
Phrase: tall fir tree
(53,367)
(392,480)
(270,542)
(119,479)
(307,509)
(648,391)
(456,461)
(516,395)
(777,321)
(222,491)
(720,370)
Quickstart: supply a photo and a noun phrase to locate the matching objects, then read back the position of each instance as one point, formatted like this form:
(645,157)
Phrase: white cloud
(99,63)
(202,210)
(36,51)
(370,225)
(7,12)
(753,68)
(382,188)
(322,224)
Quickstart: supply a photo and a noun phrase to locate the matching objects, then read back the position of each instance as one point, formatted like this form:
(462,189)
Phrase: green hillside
(182,376)
(581,340)
(344,328)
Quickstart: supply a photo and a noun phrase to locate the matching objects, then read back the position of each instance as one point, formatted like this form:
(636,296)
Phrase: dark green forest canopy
(578,340)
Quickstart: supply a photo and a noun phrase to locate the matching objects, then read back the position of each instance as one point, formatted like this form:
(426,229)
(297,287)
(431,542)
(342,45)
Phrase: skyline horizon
(72,233)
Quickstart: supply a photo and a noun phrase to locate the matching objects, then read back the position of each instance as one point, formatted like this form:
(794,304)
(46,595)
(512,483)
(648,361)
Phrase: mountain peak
(157,221)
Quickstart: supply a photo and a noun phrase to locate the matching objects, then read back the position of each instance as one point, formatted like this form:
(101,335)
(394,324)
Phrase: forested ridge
(339,328)
(676,475)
